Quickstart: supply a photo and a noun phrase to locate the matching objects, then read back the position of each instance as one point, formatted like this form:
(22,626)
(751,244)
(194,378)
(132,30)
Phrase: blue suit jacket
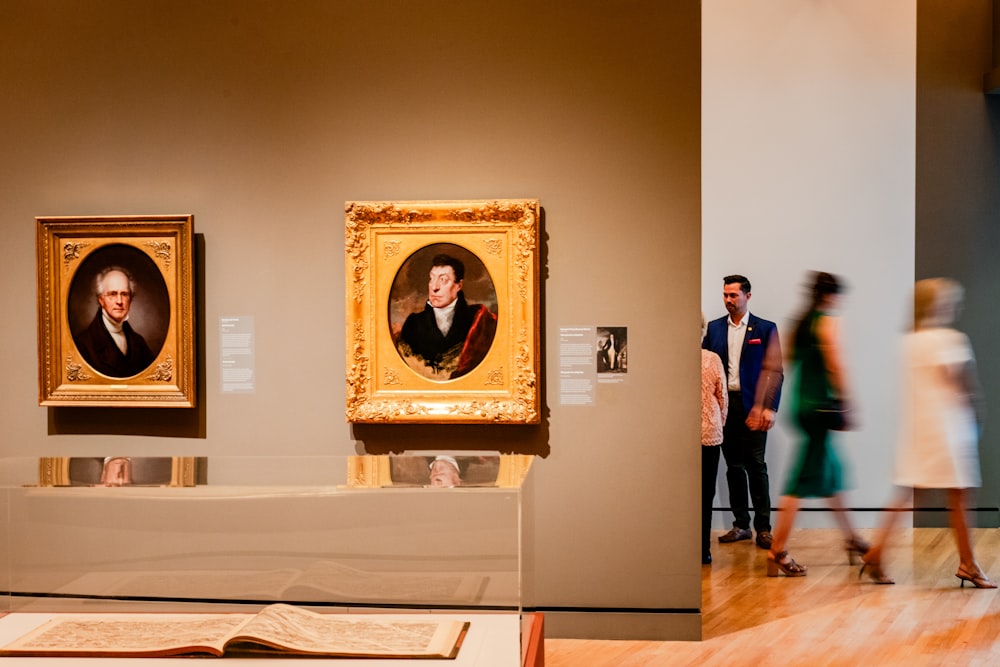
(754,359)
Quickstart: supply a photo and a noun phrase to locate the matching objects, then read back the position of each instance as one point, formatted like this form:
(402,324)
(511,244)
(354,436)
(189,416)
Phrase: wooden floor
(829,617)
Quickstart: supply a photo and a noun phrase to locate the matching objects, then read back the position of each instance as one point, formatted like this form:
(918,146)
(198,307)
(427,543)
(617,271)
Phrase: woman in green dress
(821,386)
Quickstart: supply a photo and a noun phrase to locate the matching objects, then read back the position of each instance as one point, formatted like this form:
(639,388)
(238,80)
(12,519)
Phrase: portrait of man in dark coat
(109,343)
(449,336)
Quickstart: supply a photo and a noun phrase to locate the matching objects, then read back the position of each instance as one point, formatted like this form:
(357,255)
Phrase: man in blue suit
(751,354)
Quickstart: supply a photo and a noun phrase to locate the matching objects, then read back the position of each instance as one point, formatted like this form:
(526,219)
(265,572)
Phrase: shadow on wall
(504,438)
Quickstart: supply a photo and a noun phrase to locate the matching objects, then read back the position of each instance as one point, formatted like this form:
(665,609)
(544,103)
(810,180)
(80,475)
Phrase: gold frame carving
(161,245)
(380,238)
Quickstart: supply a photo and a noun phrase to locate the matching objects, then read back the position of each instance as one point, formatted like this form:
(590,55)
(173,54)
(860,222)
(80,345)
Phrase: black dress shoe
(736,535)
(706,558)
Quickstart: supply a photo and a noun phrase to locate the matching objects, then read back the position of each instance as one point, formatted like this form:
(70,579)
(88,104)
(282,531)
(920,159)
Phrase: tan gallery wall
(263,118)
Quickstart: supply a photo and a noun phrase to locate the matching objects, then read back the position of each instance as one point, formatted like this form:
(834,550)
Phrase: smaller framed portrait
(442,312)
(116,311)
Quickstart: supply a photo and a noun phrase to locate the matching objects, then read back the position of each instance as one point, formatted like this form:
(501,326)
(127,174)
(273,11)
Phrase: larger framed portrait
(116,311)
(442,311)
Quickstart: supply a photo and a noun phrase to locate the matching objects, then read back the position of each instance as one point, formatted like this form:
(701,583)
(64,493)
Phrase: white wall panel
(808,117)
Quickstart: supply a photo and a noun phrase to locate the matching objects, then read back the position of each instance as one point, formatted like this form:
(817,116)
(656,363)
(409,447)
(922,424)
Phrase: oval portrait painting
(119,310)
(443,311)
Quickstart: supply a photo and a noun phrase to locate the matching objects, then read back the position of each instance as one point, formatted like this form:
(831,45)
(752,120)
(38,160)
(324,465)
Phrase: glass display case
(333,534)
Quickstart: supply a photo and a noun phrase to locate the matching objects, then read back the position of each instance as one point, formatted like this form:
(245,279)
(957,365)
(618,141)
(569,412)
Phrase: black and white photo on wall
(612,350)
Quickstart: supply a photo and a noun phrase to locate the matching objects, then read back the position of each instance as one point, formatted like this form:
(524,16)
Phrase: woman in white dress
(940,422)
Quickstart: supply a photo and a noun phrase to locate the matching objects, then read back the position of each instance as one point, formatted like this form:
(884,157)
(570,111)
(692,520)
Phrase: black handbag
(834,415)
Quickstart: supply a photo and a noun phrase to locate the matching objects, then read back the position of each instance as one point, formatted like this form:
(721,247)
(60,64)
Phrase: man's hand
(760,419)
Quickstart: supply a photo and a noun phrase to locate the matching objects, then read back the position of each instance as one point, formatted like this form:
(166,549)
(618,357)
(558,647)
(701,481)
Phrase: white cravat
(445,316)
(116,332)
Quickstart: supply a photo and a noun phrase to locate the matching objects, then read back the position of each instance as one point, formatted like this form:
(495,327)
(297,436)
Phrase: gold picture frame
(148,260)
(491,374)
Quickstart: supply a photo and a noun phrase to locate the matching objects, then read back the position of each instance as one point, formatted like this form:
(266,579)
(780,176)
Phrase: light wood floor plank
(830,617)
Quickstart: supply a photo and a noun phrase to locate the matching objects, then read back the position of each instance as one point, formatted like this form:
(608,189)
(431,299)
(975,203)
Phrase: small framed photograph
(443,312)
(116,311)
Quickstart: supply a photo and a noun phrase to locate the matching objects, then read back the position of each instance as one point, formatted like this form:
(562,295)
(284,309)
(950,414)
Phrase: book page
(300,631)
(129,635)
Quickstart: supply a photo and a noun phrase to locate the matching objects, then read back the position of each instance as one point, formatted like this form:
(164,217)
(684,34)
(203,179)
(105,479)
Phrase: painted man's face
(116,297)
(442,288)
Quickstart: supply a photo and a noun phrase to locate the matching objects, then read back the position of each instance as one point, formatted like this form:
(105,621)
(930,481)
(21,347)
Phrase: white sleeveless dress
(938,434)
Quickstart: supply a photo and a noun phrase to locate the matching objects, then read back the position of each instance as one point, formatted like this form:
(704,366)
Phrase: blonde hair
(704,325)
(931,297)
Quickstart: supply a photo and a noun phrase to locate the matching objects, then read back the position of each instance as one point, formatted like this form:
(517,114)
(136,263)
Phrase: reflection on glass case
(453,470)
(117,471)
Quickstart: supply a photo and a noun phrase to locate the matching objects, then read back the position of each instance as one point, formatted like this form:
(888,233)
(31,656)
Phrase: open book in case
(276,629)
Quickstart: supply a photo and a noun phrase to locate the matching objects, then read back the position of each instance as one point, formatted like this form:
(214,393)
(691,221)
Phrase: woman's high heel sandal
(977,578)
(790,568)
(875,572)
(856,548)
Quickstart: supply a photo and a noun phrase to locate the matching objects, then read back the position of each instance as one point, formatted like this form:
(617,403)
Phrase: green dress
(817,471)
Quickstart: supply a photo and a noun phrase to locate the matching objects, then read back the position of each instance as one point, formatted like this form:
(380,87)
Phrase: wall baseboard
(636,625)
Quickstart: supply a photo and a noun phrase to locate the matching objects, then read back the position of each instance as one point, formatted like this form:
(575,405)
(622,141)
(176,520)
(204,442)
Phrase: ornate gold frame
(380,237)
(63,246)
